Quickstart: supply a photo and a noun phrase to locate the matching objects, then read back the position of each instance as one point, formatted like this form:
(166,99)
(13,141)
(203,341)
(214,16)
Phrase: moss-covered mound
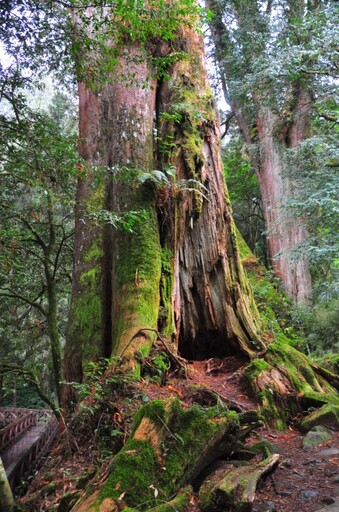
(168,448)
(287,382)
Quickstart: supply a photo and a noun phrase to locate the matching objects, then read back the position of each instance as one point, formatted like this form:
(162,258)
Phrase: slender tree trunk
(52,321)
(52,300)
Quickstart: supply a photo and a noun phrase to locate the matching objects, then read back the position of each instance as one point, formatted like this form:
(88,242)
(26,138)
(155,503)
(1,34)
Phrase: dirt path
(304,481)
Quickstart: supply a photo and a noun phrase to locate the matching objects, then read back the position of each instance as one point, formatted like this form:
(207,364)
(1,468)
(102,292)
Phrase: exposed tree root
(175,358)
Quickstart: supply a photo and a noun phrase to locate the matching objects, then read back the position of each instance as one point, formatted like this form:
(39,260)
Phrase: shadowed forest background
(124,257)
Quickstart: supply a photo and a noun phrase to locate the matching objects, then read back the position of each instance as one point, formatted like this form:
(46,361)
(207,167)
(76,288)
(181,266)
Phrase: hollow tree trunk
(179,268)
(213,312)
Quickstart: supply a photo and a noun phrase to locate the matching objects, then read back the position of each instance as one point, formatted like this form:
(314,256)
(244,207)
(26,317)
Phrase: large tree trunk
(213,312)
(285,233)
(116,273)
(180,269)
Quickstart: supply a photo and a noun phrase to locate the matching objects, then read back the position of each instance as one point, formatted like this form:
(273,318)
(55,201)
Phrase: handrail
(16,429)
(34,455)
(18,421)
(10,414)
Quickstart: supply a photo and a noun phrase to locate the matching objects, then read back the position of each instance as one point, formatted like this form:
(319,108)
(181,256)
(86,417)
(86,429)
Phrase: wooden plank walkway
(25,443)
(13,456)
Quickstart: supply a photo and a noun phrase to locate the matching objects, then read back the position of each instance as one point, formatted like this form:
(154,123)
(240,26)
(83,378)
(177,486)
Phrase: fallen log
(234,490)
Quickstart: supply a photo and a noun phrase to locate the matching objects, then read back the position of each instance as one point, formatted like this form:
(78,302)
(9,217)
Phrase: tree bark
(213,311)
(284,232)
(6,496)
(179,268)
(275,134)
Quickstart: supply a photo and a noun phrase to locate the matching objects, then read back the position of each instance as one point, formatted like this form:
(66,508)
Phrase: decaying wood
(234,489)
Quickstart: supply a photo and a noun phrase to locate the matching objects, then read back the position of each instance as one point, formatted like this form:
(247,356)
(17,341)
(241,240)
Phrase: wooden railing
(32,458)
(10,414)
(17,428)
(21,421)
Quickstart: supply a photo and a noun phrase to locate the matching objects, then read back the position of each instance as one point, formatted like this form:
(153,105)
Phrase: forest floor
(303,481)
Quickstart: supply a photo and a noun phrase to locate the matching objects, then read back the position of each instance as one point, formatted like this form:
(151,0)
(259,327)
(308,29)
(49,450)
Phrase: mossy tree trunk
(6,496)
(212,307)
(179,268)
(116,271)
(167,450)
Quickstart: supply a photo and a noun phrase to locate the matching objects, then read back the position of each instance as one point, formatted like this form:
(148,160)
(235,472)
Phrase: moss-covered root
(168,448)
(6,496)
(327,416)
(177,504)
(286,382)
(236,488)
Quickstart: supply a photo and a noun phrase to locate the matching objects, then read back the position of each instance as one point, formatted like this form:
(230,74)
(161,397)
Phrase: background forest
(162,315)
(266,57)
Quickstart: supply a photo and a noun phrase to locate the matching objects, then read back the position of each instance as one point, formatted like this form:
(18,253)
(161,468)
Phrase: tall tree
(38,167)
(179,269)
(272,58)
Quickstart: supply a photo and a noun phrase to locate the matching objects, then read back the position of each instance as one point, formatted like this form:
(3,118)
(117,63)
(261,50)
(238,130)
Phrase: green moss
(264,448)
(191,429)
(192,112)
(137,273)
(254,369)
(274,415)
(89,277)
(87,312)
(180,502)
(167,460)
(330,362)
(155,411)
(244,251)
(298,366)
(96,200)
(304,386)
(316,399)
(94,253)
(327,415)
(124,478)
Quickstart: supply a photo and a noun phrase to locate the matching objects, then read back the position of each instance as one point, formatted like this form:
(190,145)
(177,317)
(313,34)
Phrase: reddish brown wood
(25,440)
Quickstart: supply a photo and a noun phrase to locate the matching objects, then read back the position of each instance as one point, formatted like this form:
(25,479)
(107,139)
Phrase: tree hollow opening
(205,345)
